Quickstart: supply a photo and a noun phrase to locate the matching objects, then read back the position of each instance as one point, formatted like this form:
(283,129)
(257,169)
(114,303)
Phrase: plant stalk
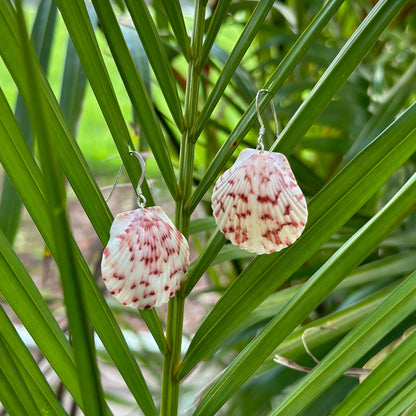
(174,324)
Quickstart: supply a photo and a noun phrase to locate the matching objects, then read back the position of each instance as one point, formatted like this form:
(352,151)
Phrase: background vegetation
(177,80)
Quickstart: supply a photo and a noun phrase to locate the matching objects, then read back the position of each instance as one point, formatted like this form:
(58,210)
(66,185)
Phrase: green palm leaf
(387,378)
(71,158)
(156,54)
(75,302)
(25,175)
(313,292)
(42,36)
(275,82)
(370,330)
(342,77)
(38,386)
(252,27)
(79,27)
(14,394)
(328,211)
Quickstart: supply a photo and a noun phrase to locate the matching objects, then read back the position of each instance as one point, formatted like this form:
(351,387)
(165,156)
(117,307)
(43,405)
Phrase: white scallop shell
(257,203)
(146,258)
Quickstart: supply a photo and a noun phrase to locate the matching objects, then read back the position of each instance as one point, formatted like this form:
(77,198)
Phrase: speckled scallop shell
(146,258)
(257,203)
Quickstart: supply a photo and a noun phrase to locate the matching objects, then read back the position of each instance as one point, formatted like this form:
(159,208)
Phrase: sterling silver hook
(262,130)
(141,200)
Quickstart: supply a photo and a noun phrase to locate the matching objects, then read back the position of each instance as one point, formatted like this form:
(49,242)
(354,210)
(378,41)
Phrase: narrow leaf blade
(84,353)
(308,298)
(285,68)
(328,211)
(176,20)
(37,384)
(153,46)
(358,341)
(236,55)
(134,85)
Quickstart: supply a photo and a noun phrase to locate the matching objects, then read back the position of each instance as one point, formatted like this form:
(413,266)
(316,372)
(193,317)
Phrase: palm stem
(174,325)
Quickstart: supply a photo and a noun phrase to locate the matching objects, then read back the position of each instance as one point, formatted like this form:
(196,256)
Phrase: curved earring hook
(262,130)
(141,200)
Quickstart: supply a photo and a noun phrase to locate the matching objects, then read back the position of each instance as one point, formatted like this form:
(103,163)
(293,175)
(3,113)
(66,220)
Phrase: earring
(146,258)
(257,203)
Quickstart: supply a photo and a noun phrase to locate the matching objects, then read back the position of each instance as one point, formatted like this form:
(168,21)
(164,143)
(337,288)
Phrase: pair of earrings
(257,203)
(146,258)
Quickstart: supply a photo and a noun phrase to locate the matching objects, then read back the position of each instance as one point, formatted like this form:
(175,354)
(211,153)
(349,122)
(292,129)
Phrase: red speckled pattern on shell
(258,204)
(146,258)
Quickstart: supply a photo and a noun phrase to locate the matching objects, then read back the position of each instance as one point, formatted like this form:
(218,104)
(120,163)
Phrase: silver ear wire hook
(262,130)
(141,200)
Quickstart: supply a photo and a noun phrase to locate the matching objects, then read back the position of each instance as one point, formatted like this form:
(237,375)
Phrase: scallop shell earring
(146,258)
(257,203)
